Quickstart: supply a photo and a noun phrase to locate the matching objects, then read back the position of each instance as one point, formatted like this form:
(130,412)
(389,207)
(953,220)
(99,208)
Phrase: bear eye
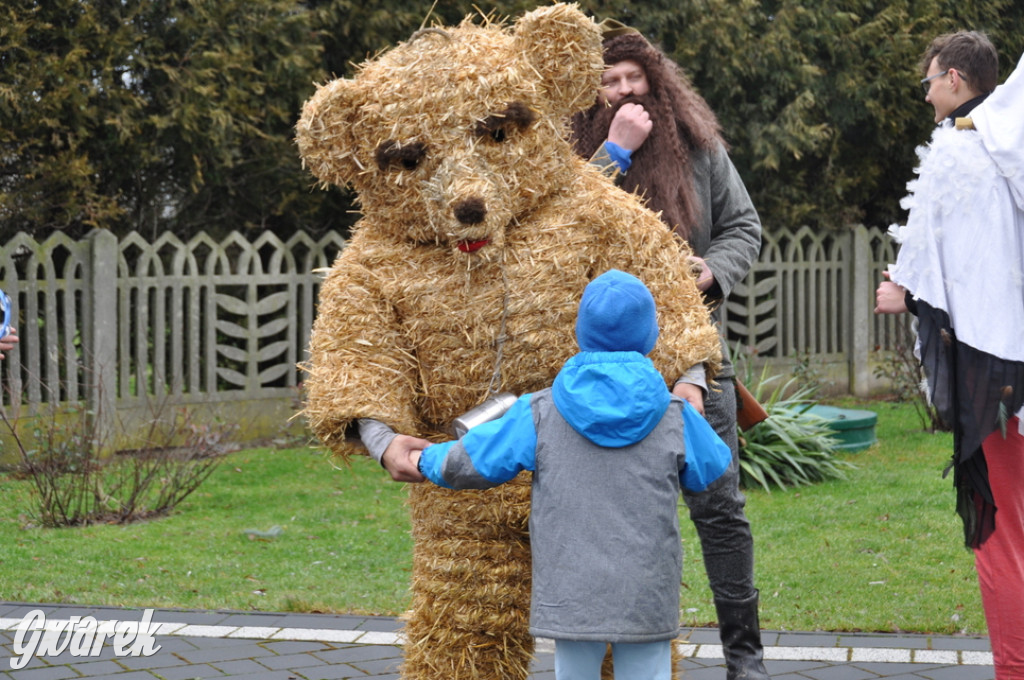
(516,116)
(391,155)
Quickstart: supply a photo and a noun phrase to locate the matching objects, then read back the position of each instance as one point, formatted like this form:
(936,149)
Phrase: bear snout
(471,210)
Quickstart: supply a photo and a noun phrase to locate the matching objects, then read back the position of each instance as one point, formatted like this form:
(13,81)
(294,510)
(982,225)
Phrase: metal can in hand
(493,408)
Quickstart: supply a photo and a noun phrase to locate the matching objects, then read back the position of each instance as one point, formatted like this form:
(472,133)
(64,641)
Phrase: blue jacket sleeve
(488,455)
(707,456)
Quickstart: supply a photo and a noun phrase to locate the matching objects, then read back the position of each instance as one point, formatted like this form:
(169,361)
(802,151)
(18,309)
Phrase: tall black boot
(740,630)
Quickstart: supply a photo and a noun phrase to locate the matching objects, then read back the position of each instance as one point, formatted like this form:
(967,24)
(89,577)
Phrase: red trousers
(1000,559)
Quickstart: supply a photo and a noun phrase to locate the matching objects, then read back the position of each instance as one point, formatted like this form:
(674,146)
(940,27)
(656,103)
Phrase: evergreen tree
(154,115)
(821,102)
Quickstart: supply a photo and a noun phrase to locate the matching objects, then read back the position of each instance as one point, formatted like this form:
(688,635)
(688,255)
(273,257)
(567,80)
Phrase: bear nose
(470,210)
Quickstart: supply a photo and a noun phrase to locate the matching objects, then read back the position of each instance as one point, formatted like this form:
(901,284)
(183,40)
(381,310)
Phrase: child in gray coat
(610,449)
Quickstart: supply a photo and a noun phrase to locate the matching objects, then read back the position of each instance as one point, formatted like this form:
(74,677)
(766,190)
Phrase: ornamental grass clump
(793,447)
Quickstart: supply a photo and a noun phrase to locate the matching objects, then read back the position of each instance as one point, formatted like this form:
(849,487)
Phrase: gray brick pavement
(283,646)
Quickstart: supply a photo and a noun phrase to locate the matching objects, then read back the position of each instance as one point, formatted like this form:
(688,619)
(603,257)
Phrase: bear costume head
(452,131)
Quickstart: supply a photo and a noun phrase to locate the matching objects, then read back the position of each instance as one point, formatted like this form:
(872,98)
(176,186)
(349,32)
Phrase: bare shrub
(75,483)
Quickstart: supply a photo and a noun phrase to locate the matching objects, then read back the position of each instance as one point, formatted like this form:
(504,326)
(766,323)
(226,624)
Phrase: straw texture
(480,230)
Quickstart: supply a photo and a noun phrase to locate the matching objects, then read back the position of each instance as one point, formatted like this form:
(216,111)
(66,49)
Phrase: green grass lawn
(878,551)
(344,544)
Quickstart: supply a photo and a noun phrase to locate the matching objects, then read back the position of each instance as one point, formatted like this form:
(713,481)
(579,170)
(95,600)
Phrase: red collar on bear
(471,246)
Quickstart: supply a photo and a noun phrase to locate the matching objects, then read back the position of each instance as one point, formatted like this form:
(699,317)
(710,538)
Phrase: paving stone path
(279,646)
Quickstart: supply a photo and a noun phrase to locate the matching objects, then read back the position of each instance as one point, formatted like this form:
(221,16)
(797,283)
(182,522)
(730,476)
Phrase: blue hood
(617,314)
(614,399)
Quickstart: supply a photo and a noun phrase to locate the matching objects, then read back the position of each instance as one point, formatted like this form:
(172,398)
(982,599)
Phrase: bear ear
(563,46)
(324,132)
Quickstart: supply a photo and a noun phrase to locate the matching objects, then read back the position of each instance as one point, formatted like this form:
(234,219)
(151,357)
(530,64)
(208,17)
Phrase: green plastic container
(854,429)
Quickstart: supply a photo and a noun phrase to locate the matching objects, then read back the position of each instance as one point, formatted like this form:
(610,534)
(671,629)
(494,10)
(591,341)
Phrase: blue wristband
(622,157)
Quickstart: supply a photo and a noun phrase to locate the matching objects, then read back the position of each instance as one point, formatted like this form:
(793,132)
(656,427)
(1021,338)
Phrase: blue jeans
(633,661)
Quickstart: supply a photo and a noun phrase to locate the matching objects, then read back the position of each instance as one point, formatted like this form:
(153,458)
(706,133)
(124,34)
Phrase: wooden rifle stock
(749,411)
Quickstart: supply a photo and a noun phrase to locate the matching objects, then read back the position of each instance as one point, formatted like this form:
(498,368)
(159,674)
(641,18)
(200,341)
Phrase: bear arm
(658,258)
(359,366)
(688,335)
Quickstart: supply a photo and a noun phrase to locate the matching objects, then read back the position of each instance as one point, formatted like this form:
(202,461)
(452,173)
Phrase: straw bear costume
(480,229)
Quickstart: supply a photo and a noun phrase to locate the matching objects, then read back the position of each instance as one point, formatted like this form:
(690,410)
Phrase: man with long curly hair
(666,144)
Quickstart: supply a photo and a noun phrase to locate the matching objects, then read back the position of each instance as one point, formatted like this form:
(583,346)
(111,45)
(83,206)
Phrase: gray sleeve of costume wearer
(376,437)
(735,234)
(695,375)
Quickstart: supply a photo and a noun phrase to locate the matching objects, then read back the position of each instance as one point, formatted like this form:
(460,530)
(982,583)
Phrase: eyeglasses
(926,83)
